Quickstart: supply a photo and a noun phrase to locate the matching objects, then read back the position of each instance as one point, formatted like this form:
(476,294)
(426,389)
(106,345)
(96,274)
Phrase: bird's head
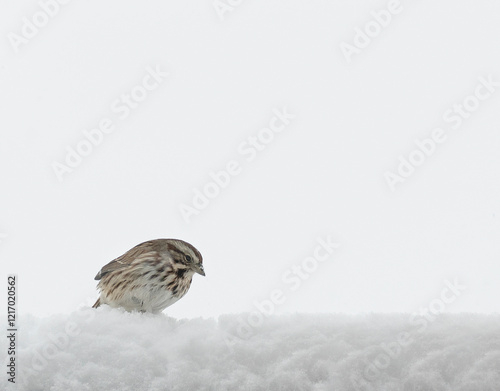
(186,254)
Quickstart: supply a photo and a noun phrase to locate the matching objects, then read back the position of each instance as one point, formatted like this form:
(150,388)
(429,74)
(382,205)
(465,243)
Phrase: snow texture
(108,349)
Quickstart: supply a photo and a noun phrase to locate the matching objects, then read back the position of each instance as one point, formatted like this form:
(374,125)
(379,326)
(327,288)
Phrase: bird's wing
(136,255)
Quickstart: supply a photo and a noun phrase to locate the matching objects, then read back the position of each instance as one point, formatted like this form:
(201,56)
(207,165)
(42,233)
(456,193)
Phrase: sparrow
(149,277)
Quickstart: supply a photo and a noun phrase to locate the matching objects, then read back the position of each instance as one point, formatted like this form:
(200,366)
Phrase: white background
(323,175)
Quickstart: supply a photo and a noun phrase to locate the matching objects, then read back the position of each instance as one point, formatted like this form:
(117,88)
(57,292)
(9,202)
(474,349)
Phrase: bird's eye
(188,258)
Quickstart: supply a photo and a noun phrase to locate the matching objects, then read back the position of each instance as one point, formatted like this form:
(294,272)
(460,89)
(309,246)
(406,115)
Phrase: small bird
(149,277)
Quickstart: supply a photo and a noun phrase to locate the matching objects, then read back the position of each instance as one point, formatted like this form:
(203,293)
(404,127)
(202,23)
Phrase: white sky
(322,175)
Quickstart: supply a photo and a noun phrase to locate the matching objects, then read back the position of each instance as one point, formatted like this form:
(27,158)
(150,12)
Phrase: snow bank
(109,349)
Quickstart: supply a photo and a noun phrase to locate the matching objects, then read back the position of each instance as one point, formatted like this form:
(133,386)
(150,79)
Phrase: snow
(109,349)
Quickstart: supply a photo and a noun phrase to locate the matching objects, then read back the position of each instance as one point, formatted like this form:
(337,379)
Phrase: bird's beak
(199,269)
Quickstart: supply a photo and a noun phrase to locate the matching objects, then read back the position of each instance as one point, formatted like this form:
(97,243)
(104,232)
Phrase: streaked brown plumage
(149,277)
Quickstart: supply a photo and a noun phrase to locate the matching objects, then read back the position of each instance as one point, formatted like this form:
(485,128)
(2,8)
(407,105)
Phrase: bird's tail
(97,303)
